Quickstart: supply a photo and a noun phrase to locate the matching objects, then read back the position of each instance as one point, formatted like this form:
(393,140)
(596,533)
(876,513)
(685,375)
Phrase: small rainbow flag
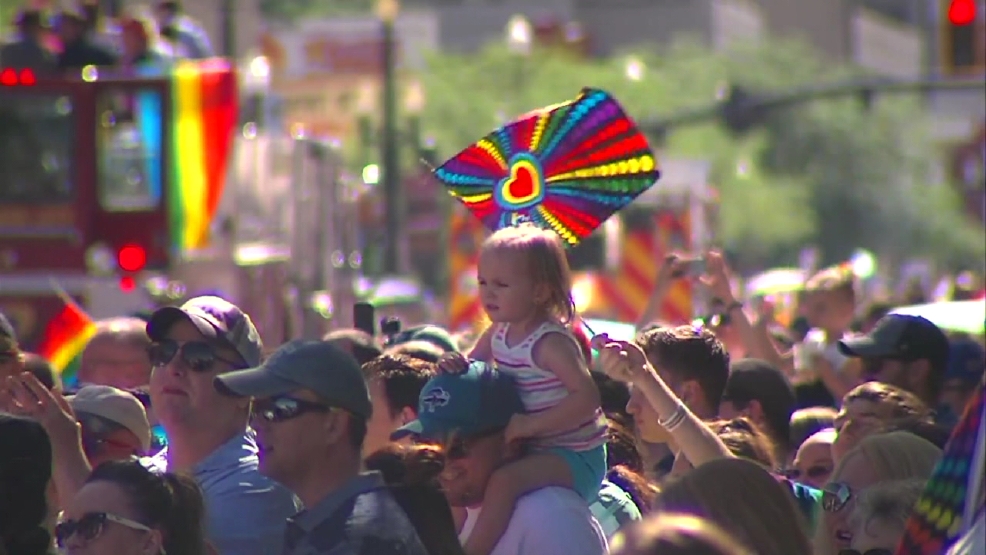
(64,340)
(204,111)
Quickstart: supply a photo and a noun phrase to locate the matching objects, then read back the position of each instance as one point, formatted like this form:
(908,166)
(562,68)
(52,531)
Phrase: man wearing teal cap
(467,414)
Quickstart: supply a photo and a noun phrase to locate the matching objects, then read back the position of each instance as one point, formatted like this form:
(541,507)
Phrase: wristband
(732,306)
(675,419)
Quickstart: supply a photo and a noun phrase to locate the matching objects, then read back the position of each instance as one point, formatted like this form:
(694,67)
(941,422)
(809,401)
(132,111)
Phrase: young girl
(525,287)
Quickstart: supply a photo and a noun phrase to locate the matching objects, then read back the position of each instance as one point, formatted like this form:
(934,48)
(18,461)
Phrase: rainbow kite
(204,112)
(65,338)
(566,167)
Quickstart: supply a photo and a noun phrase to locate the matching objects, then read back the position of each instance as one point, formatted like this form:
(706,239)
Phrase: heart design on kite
(524,186)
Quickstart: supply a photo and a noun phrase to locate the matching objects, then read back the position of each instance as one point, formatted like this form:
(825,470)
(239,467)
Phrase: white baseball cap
(114,405)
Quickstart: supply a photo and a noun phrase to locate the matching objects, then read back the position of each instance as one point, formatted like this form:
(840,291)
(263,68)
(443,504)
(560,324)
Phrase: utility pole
(391,180)
(228,19)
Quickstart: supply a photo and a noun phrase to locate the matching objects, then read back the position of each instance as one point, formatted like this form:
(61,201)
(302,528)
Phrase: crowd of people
(74,38)
(527,438)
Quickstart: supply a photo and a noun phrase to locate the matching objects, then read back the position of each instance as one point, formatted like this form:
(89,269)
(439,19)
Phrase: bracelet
(732,306)
(676,418)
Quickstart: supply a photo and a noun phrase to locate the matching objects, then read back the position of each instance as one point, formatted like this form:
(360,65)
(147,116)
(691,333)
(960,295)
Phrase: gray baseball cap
(215,318)
(319,366)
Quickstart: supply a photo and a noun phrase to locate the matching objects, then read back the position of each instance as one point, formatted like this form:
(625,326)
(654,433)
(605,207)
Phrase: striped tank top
(541,390)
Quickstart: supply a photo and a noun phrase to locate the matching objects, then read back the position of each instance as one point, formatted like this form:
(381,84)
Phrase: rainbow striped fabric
(204,112)
(953,496)
(64,340)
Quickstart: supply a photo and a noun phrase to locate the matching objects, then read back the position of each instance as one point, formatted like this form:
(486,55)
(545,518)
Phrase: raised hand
(453,363)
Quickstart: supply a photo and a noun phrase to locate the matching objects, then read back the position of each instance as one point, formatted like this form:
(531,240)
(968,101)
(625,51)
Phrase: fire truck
(126,190)
(616,267)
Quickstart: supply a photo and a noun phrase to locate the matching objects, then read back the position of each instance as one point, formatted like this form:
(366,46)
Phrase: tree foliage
(291,10)
(828,173)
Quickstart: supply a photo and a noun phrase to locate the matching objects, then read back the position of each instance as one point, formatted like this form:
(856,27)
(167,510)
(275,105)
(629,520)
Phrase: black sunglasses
(813,472)
(874,551)
(279,409)
(90,526)
(835,496)
(197,355)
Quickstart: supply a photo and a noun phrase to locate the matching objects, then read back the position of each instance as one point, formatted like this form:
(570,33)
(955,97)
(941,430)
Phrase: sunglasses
(280,409)
(96,432)
(90,526)
(813,473)
(874,551)
(197,355)
(835,496)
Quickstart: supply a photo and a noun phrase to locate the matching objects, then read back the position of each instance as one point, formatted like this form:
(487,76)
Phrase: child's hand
(518,428)
(453,363)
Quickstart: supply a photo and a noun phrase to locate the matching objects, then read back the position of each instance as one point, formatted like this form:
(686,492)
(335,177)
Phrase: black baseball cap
(903,337)
(319,366)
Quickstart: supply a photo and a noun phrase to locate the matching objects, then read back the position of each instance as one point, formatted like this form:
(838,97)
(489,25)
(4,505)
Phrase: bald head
(117,354)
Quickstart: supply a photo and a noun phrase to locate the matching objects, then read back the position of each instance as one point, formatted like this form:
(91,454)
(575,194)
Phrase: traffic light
(963,37)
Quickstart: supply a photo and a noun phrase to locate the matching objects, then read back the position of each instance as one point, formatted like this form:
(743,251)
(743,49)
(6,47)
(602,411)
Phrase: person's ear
(153,543)
(917,373)
(336,425)
(406,415)
(754,411)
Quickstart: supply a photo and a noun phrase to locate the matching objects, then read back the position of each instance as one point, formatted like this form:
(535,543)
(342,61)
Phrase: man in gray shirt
(311,406)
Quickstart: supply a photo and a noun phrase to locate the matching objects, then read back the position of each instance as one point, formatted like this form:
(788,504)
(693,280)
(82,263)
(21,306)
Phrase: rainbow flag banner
(65,337)
(205,111)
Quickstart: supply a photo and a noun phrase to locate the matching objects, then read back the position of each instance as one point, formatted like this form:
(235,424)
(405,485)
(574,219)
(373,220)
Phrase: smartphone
(364,317)
(690,267)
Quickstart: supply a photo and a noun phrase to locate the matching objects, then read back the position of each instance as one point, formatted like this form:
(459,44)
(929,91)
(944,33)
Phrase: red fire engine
(90,174)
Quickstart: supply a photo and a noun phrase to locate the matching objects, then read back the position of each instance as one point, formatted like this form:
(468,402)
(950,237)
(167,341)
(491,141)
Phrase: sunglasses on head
(279,409)
(197,355)
(813,472)
(90,526)
(874,551)
(835,496)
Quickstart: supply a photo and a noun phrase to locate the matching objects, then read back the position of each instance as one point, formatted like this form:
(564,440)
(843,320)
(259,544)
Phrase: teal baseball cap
(470,403)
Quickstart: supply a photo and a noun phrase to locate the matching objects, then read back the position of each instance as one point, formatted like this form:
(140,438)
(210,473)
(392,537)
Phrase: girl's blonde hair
(890,503)
(547,263)
(676,534)
(745,500)
(893,456)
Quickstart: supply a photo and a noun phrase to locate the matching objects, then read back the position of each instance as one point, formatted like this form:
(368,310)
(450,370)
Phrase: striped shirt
(541,390)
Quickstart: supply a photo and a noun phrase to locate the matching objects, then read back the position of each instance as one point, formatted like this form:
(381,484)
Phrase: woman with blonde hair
(676,534)
(877,458)
(745,500)
(879,518)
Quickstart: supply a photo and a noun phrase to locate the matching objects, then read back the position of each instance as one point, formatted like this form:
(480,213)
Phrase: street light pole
(387,11)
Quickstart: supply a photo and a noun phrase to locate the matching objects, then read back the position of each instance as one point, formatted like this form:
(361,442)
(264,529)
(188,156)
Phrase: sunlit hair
(901,403)
(892,456)
(676,534)
(745,500)
(744,439)
(546,262)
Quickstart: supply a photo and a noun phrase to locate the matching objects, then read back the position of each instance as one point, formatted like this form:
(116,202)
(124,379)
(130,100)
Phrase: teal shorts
(588,469)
